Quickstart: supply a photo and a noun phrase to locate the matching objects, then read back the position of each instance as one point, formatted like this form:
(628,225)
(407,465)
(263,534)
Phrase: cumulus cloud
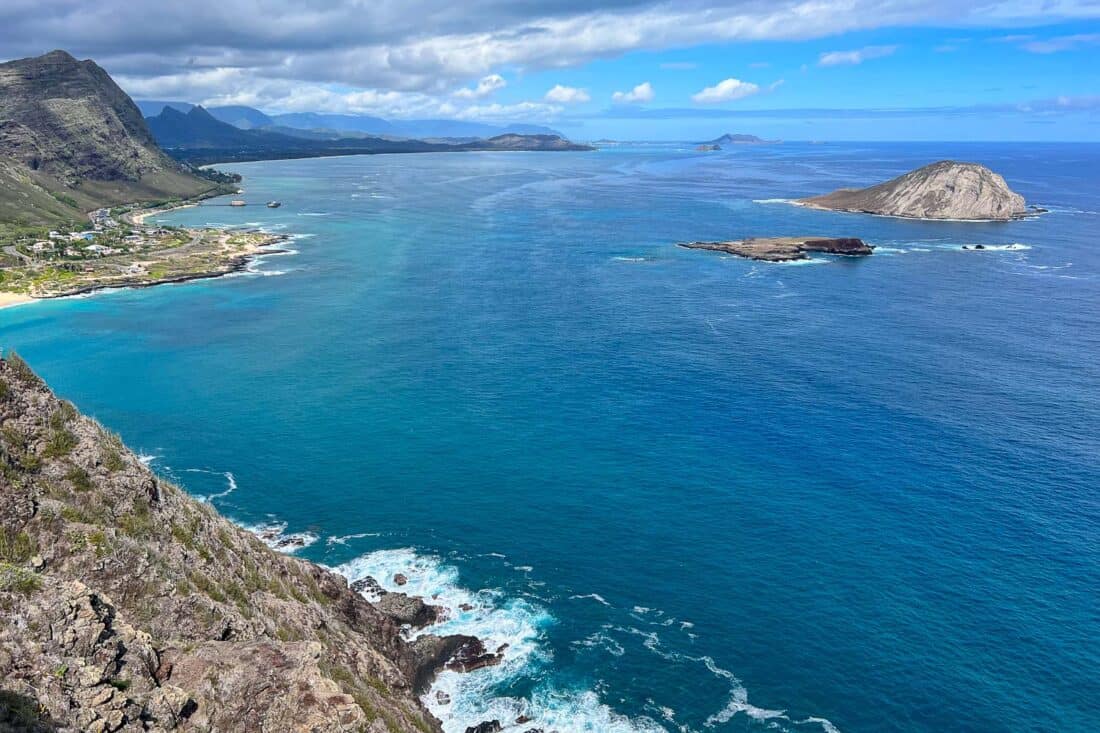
(485,87)
(843,58)
(279,52)
(726,90)
(566,95)
(638,95)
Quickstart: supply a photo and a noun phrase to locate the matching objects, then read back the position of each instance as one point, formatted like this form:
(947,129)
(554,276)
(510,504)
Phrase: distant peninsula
(197,137)
(943,190)
(785,249)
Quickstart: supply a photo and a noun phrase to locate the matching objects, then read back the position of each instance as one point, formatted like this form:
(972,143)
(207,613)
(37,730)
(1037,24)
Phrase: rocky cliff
(71,140)
(128,606)
(943,190)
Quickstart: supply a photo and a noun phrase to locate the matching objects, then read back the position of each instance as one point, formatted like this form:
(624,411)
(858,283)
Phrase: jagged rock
(149,611)
(408,610)
(368,586)
(442,697)
(943,190)
(400,579)
(472,655)
(489,726)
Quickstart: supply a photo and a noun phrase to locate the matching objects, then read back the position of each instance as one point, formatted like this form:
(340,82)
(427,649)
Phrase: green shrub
(139,522)
(60,444)
(112,461)
(22,370)
(16,547)
(79,478)
(14,579)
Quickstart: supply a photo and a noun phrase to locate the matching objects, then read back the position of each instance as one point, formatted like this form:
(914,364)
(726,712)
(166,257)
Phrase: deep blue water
(692,492)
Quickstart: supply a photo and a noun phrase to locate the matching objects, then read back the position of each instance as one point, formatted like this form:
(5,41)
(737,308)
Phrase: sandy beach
(7,300)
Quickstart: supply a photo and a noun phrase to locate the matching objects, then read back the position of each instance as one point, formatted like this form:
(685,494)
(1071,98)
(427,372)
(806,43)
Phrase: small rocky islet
(785,249)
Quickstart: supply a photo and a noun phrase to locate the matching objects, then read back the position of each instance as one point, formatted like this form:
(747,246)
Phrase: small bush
(14,579)
(60,444)
(112,461)
(22,370)
(79,478)
(139,522)
(16,547)
(98,540)
(119,684)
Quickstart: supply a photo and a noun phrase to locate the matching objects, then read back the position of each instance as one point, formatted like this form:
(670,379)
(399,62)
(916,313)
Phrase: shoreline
(234,264)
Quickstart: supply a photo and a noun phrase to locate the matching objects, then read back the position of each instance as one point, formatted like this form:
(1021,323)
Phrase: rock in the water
(408,610)
(442,697)
(785,249)
(943,190)
(400,579)
(489,726)
(473,655)
(368,586)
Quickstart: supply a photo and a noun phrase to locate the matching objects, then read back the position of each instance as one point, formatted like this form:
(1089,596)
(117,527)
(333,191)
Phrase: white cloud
(1062,43)
(638,95)
(485,87)
(566,95)
(776,84)
(725,91)
(842,58)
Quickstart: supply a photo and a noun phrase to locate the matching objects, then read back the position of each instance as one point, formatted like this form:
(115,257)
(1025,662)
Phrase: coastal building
(98,249)
(41,246)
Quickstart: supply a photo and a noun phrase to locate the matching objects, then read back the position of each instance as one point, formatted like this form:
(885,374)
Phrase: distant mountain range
(72,141)
(198,137)
(339,125)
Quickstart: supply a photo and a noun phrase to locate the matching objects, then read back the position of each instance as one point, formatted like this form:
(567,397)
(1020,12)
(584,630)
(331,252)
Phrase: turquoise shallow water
(691,492)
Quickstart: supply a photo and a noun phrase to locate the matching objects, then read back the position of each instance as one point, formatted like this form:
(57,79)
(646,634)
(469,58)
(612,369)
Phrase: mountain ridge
(71,140)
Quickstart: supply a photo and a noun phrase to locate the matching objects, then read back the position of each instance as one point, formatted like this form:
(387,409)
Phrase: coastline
(10,300)
(234,262)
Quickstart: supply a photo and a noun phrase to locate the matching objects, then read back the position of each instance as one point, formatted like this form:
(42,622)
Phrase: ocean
(690,492)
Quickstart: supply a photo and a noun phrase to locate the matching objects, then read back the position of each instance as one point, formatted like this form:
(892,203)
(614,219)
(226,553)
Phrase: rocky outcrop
(71,140)
(128,606)
(406,610)
(943,190)
(785,249)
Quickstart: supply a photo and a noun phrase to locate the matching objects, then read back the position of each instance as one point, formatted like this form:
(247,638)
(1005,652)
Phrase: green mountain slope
(71,141)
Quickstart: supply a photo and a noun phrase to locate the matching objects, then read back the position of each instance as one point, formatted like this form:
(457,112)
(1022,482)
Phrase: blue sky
(626,69)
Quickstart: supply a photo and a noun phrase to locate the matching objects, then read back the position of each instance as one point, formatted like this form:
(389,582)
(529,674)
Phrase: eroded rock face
(943,190)
(128,606)
(406,610)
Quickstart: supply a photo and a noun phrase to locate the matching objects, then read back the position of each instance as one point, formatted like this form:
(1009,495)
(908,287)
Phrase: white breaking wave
(230,480)
(594,596)
(343,540)
(514,625)
(773,201)
(274,535)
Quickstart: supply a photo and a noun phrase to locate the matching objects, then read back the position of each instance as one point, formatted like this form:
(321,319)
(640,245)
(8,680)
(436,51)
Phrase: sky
(1017,70)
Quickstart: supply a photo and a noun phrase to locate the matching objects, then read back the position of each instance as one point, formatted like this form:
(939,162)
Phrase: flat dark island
(785,249)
